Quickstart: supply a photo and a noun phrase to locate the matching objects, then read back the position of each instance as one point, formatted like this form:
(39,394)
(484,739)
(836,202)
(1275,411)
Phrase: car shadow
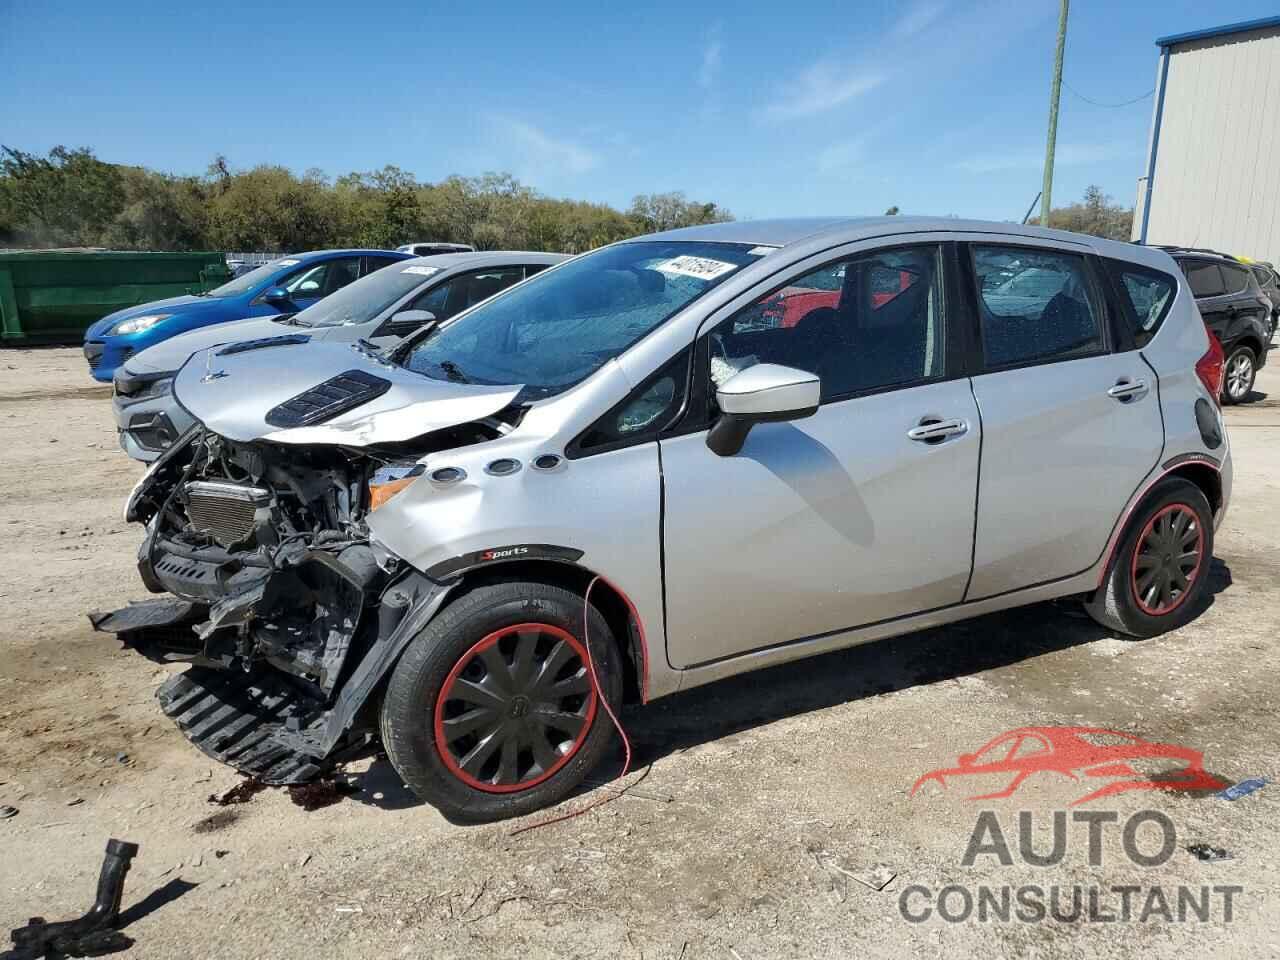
(736,704)
(740,703)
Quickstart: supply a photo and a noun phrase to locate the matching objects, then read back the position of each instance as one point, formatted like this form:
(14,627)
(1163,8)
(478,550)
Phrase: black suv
(1234,309)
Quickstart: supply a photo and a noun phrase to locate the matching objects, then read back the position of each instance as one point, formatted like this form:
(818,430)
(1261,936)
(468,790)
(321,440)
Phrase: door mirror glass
(308,287)
(766,392)
(276,295)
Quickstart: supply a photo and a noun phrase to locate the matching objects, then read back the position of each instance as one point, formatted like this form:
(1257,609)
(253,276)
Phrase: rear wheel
(1238,374)
(491,712)
(1157,577)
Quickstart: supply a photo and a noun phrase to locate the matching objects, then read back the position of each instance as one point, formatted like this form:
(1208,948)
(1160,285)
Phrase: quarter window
(1035,305)
(1146,293)
(860,324)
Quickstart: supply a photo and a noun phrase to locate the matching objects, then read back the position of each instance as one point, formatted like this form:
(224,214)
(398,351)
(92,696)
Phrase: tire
(1120,604)
(1238,374)
(438,689)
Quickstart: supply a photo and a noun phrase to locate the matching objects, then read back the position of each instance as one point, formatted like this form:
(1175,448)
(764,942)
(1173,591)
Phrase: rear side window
(1146,297)
(1235,278)
(1036,306)
(1204,278)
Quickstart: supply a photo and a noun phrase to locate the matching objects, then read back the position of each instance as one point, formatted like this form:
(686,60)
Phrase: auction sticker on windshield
(701,268)
(421,271)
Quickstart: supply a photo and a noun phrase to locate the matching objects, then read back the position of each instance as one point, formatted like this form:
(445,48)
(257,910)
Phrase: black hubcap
(1167,559)
(515,708)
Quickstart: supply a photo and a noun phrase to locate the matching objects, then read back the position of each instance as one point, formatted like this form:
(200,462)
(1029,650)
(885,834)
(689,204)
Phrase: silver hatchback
(670,460)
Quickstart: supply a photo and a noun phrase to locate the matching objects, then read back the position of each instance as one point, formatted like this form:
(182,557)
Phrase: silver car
(668,461)
(380,308)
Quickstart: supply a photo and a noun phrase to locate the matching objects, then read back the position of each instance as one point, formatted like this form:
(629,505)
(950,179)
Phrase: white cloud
(917,18)
(711,57)
(839,156)
(539,150)
(822,87)
(1032,158)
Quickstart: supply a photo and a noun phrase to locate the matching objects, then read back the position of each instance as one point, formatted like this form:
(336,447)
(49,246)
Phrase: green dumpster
(53,296)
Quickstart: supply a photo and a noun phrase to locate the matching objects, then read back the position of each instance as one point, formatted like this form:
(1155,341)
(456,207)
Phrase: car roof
(488,258)
(785,232)
(350,252)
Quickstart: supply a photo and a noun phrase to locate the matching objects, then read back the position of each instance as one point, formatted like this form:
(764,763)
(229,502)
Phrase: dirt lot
(779,784)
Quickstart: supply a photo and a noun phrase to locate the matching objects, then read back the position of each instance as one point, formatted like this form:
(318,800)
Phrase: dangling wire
(626,744)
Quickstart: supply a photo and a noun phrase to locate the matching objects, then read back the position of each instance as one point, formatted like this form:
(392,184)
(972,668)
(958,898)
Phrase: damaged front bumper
(288,632)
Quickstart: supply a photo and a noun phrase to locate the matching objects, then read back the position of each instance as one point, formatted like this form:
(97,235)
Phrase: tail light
(1209,368)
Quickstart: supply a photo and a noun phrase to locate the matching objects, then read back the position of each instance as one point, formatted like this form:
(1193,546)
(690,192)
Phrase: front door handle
(935,431)
(1126,390)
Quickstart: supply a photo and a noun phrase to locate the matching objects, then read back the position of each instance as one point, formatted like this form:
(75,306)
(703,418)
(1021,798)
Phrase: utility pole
(1055,93)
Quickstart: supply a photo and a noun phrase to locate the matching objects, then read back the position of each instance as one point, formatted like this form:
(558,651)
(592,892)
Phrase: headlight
(138,324)
(389,480)
(158,388)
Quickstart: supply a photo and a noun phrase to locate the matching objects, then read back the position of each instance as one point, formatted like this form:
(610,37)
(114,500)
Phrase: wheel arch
(1199,469)
(612,603)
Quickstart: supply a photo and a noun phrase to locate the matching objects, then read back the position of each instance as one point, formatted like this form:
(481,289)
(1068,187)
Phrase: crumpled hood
(172,353)
(232,394)
(182,304)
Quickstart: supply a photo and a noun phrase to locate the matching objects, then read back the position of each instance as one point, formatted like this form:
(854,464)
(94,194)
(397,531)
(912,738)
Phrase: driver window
(861,324)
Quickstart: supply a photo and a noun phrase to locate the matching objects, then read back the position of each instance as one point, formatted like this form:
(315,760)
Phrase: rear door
(851,516)
(1071,425)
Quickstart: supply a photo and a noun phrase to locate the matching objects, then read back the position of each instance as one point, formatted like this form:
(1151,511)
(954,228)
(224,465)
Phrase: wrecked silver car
(668,461)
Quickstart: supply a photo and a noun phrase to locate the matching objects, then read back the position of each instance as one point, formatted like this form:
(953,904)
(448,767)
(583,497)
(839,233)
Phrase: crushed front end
(288,614)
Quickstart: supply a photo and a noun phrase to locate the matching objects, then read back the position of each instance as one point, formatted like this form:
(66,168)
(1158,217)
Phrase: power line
(1096,103)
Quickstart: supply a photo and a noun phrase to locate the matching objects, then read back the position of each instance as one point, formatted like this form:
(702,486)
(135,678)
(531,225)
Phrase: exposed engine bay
(288,613)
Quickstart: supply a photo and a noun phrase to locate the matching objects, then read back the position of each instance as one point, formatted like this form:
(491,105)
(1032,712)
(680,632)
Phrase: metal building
(1213,159)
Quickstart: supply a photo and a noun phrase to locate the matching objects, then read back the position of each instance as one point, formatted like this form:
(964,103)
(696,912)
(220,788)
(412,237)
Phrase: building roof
(1223,31)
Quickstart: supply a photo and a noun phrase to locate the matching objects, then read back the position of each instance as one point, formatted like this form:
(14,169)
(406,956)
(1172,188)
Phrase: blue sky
(938,106)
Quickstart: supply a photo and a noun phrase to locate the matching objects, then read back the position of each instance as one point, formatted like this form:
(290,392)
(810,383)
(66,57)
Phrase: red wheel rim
(1167,560)
(515,708)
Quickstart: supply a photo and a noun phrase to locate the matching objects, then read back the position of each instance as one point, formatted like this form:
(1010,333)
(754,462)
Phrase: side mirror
(276,295)
(308,286)
(765,393)
(406,321)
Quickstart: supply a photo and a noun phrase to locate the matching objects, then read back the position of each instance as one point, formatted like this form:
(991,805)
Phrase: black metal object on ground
(92,935)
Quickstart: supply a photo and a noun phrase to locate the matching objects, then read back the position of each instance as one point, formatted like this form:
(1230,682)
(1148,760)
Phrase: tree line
(70,198)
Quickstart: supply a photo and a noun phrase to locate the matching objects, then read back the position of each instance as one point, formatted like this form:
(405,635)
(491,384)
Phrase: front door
(1070,428)
(861,513)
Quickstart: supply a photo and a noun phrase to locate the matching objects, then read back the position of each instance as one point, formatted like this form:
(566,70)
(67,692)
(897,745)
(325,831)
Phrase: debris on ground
(876,877)
(1243,788)
(242,792)
(6,812)
(1208,853)
(91,935)
(122,757)
(217,821)
(320,793)
(75,801)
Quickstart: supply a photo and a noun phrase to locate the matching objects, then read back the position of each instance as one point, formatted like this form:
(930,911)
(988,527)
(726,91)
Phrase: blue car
(283,286)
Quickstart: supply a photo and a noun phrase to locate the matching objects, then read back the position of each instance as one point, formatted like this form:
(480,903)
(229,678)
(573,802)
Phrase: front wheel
(491,712)
(1158,574)
(1238,374)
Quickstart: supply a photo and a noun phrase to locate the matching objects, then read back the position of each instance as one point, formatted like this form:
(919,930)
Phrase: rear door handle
(1126,390)
(935,431)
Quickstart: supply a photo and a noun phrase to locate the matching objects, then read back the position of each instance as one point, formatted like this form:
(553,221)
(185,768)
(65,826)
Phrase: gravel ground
(763,793)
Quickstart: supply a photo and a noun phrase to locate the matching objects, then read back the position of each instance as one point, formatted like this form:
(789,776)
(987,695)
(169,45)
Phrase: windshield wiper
(453,371)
